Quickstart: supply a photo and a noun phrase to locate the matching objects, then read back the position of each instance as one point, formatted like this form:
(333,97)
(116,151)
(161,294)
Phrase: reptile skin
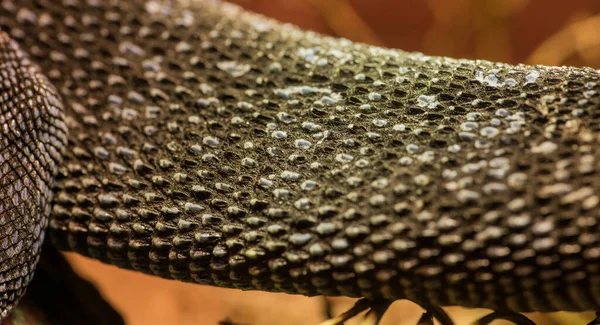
(210,145)
(32,140)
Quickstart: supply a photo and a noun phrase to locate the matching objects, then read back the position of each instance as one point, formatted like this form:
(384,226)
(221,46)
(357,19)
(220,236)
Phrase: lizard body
(210,145)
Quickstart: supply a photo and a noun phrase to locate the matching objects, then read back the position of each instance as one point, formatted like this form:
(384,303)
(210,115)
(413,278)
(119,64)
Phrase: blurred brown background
(555,32)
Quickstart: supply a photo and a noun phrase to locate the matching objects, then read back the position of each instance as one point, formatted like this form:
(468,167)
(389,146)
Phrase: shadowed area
(58,296)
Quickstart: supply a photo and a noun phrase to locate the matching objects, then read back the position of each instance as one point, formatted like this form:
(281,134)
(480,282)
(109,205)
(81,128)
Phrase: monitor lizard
(198,142)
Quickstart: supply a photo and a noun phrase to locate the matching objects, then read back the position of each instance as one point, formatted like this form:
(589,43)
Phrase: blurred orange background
(554,32)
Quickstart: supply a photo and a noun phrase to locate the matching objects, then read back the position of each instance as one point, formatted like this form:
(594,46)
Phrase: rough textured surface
(214,146)
(32,140)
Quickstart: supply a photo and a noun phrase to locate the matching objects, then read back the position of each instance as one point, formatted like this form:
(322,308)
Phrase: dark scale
(33,140)
(214,146)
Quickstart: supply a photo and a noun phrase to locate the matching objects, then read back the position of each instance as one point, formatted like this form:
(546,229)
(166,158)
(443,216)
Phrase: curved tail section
(33,137)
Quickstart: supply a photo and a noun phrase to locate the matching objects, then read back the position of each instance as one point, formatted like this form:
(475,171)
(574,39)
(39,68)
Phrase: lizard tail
(33,137)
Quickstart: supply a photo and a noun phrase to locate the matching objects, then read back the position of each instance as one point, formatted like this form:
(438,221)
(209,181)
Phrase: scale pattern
(32,141)
(215,146)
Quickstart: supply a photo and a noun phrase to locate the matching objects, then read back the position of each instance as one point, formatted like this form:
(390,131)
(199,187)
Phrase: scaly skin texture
(214,146)
(32,141)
